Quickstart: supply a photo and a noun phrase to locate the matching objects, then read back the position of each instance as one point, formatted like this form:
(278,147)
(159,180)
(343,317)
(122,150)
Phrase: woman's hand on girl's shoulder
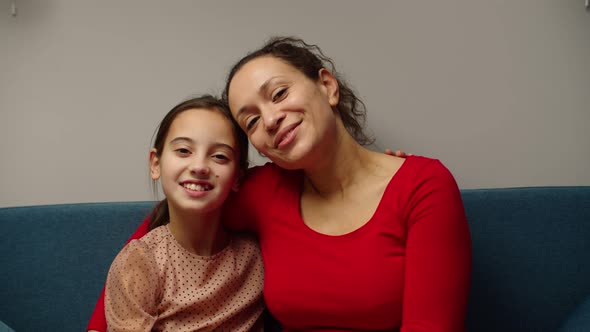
(398,153)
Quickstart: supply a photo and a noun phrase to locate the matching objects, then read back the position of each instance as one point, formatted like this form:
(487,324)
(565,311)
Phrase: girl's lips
(198,186)
(286,136)
(196,189)
(195,194)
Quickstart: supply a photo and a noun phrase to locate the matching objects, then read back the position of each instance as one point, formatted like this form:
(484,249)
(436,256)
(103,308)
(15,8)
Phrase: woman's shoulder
(423,161)
(418,173)
(424,166)
(408,168)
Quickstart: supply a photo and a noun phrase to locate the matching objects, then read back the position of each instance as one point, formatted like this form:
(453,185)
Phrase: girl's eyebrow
(189,140)
(181,139)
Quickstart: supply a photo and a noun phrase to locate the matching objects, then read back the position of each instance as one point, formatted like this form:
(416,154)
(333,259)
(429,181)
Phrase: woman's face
(285,114)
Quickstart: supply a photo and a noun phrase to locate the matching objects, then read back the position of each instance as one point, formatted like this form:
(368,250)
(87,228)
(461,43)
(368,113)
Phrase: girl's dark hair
(160,214)
(309,59)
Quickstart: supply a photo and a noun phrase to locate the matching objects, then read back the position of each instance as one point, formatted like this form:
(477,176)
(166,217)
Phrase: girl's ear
(236,186)
(154,164)
(330,86)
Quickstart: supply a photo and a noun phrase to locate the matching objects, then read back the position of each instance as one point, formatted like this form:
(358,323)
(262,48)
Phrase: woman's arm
(132,289)
(438,255)
(98,321)
(242,210)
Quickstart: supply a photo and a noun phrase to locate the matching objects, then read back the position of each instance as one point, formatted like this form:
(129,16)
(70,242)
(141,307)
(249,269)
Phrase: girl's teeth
(196,187)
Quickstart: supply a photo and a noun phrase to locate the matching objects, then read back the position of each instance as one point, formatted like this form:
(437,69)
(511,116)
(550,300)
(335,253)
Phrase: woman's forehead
(258,73)
(263,67)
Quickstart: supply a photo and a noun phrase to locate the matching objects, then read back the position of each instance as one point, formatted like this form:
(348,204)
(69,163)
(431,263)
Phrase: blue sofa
(531,260)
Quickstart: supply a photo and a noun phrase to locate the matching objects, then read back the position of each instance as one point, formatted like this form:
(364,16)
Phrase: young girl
(188,273)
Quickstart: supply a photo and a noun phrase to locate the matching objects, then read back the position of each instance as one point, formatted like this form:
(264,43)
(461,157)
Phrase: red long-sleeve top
(406,269)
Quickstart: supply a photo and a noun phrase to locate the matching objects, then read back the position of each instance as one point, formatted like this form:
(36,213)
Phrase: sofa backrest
(531,258)
(55,258)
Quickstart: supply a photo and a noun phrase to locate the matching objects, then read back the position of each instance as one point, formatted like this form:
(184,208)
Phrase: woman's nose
(272,118)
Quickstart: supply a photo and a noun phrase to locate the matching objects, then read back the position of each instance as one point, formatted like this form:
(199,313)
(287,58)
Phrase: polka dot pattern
(154,284)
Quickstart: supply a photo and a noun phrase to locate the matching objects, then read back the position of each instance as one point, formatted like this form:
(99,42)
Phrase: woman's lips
(286,136)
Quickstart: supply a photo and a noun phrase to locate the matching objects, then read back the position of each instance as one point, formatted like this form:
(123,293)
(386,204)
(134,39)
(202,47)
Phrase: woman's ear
(330,86)
(154,164)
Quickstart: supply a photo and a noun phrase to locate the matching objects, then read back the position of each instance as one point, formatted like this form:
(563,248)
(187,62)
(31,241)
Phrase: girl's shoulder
(143,249)
(153,238)
(139,257)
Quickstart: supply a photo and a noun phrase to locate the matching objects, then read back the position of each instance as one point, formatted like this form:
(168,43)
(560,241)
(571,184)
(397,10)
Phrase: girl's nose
(199,168)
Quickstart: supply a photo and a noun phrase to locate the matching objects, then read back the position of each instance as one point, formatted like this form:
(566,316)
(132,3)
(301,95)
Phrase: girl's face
(285,114)
(198,165)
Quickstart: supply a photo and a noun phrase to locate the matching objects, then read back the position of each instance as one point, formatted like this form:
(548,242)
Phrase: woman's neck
(201,234)
(341,166)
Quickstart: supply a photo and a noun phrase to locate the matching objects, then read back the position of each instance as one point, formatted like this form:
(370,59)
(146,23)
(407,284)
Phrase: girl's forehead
(202,123)
(201,116)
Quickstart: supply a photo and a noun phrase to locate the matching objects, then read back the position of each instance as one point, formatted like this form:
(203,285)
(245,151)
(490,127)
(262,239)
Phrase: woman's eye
(251,122)
(279,94)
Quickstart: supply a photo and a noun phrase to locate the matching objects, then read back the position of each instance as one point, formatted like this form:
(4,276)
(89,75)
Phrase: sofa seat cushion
(5,328)
(579,320)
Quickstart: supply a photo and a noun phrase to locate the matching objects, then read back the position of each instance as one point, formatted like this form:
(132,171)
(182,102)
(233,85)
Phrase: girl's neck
(201,234)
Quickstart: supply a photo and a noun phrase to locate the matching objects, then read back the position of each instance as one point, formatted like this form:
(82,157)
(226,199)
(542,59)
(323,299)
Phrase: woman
(351,239)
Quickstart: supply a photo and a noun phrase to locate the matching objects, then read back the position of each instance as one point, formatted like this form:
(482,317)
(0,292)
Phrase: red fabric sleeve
(243,208)
(438,255)
(98,320)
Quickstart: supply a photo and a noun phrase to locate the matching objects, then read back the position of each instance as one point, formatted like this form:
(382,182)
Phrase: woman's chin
(291,161)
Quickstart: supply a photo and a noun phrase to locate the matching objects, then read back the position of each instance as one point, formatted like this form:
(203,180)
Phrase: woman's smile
(286,136)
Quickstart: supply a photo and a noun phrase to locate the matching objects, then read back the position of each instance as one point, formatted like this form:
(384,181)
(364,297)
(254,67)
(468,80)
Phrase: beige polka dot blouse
(154,284)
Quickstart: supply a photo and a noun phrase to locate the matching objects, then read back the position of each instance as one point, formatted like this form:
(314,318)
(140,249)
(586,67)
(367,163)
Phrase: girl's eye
(279,94)
(183,151)
(251,122)
(220,157)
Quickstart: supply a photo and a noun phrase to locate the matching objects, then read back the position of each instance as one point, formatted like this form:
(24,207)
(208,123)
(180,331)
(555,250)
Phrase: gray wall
(498,90)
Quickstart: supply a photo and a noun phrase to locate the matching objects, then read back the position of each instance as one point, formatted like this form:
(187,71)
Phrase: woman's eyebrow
(267,83)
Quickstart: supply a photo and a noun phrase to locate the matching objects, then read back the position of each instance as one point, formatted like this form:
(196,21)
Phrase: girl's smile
(198,164)
(197,189)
